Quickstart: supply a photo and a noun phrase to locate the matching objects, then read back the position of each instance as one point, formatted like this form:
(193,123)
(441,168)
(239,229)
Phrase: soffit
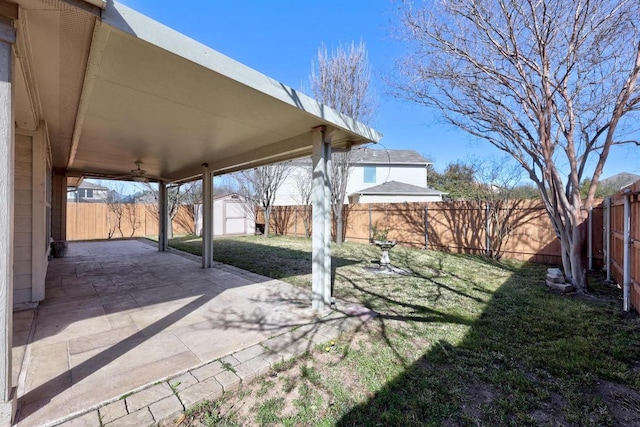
(126,88)
(51,57)
(159,97)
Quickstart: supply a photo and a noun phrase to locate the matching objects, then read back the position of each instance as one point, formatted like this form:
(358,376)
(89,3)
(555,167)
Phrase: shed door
(235,218)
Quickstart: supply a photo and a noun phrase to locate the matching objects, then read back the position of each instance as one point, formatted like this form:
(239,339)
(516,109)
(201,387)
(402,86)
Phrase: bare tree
(304,178)
(118,210)
(550,83)
(341,80)
(115,207)
(496,181)
(191,199)
(259,186)
(178,195)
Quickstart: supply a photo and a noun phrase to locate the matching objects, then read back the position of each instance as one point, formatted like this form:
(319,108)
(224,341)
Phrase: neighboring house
(619,181)
(395,192)
(370,169)
(88,192)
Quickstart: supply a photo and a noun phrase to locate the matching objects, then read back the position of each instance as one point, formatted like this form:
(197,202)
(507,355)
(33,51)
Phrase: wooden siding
(22,244)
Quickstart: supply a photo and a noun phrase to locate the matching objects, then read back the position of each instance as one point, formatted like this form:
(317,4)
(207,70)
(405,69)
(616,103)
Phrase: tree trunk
(578,276)
(170,228)
(267,212)
(339,227)
(571,249)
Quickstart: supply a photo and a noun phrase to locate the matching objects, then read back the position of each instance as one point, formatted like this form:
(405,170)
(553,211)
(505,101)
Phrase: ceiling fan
(139,175)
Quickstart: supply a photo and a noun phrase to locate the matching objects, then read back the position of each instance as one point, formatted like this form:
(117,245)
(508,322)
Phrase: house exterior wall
(31,215)
(407,174)
(414,174)
(23,211)
(366,198)
(80,195)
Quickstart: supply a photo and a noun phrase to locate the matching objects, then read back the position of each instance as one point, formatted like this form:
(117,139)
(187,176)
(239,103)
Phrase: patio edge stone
(160,404)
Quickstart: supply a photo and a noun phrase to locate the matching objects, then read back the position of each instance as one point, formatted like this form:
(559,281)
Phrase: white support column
(207,217)
(7,150)
(328,277)
(321,239)
(163,217)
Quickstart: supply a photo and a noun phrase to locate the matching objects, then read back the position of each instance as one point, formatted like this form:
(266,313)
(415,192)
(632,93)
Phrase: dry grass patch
(462,341)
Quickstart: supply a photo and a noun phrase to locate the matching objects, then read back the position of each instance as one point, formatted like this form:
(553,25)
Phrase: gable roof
(372,155)
(91,185)
(368,155)
(620,180)
(399,188)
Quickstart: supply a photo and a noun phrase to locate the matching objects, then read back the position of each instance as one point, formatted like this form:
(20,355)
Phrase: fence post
(487,230)
(590,238)
(295,223)
(370,230)
(426,226)
(626,280)
(607,237)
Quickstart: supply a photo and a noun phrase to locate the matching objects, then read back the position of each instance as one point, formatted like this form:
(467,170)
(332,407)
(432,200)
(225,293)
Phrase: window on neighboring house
(85,193)
(369,174)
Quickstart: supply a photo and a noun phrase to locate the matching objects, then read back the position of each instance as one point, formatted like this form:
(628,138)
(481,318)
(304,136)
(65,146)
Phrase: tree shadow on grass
(272,260)
(531,358)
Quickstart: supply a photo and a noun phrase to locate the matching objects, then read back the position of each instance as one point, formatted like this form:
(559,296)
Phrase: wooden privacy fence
(88,221)
(622,242)
(459,227)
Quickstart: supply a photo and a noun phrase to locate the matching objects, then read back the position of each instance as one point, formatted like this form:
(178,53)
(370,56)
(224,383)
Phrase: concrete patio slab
(120,316)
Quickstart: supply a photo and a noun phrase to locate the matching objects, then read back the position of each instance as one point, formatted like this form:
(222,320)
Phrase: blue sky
(280,38)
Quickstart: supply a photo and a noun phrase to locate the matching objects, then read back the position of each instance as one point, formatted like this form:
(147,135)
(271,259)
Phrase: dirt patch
(622,401)
(479,395)
(550,412)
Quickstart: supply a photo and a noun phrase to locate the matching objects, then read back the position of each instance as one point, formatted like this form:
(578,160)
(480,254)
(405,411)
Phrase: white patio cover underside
(125,88)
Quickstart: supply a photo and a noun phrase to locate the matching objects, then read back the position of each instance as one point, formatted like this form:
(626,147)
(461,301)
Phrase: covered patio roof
(116,87)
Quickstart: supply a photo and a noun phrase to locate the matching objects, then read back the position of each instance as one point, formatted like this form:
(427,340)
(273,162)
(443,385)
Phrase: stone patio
(143,334)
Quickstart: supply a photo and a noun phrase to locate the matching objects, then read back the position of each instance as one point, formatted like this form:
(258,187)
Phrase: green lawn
(462,341)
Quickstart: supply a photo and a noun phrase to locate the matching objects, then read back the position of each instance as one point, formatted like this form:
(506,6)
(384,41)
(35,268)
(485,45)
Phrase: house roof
(373,155)
(115,87)
(91,185)
(399,188)
(368,155)
(232,195)
(620,180)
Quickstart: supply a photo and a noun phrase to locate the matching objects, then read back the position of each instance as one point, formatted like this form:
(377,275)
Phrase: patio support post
(328,277)
(321,240)
(207,217)
(7,149)
(163,217)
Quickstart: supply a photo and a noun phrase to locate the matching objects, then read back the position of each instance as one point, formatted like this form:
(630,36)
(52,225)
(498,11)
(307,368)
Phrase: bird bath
(386,246)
